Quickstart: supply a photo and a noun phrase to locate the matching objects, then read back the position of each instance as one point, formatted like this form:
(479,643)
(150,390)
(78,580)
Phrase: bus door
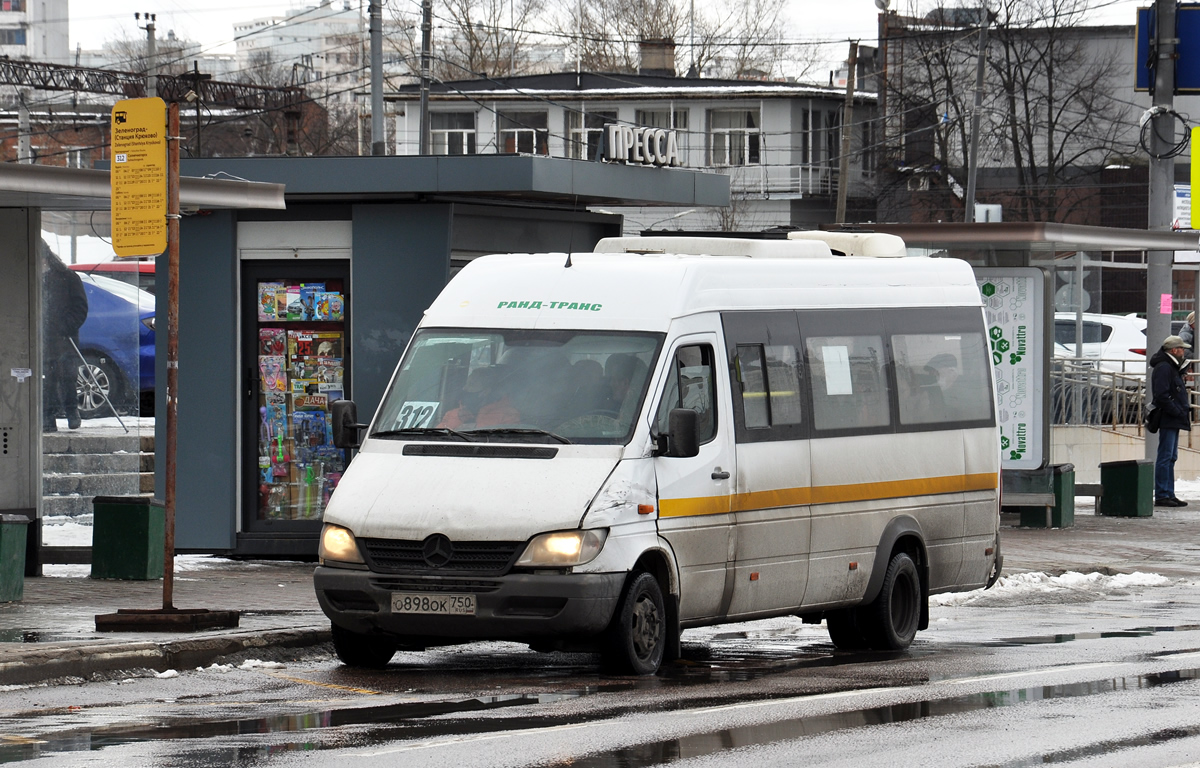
(694,493)
(771,425)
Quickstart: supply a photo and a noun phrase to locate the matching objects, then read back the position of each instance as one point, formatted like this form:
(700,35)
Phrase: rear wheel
(892,619)
(367,651)
(638,634)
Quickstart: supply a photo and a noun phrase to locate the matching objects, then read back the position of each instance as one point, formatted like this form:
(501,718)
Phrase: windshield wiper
(520,431)
(422,431)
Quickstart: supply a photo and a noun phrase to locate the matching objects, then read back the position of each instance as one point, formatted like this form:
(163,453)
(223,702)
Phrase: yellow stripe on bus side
(826,494)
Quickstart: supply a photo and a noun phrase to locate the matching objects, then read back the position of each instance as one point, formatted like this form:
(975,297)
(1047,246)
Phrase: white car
(1116,342)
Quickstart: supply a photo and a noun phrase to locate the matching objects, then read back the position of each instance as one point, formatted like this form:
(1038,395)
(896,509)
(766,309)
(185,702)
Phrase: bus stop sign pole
(169,617)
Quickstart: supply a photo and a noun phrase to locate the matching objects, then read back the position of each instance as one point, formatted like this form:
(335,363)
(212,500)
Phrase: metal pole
(378,142)
(24,131)
(426,33)
(1162,190)
(1081,366)
(172,348)
(973,158)
(847,125)
(196,77)
(151,58)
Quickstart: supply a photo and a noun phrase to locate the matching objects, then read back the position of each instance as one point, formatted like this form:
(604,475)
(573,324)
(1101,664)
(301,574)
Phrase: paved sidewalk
(51,633)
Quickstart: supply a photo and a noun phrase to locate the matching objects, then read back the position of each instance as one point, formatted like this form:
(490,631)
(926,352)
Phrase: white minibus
(600,450)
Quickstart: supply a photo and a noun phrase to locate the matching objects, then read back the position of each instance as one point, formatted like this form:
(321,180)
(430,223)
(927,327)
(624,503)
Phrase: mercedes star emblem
(437,550)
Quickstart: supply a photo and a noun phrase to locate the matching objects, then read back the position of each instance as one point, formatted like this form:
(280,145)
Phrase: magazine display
(301,362)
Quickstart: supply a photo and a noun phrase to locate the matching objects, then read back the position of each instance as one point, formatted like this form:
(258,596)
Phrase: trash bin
(1058,479)
(13,529)
(1128,488)
(128,535)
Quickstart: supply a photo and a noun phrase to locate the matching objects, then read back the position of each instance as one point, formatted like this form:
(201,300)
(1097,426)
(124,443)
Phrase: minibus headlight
(337,543)
(564,548)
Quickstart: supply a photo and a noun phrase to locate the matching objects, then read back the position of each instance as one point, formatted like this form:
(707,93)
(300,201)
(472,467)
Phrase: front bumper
(517,606)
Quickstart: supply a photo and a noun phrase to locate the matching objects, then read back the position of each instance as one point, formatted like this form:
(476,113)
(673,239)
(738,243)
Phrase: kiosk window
(942,377)
(691,373)
(849,382)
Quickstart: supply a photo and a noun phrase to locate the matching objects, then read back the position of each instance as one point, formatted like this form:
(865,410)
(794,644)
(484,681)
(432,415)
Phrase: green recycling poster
(1014,305)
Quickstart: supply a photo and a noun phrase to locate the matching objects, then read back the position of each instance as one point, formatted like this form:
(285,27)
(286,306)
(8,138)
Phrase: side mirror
(684,433)
(344,417)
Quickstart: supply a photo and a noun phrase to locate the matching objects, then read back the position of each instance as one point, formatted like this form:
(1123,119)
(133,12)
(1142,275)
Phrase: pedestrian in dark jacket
(1170,395)
(64,308)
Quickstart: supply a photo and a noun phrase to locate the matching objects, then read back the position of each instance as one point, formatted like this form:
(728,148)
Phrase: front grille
(491,558)
(434,584)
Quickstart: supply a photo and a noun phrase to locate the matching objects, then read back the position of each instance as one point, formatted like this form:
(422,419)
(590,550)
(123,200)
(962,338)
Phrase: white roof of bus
(644,292)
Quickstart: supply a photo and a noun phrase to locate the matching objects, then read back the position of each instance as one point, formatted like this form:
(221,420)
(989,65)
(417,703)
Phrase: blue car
(117,340)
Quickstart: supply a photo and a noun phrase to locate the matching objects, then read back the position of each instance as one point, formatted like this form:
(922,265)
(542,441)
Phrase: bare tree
(720,40)
(490,38)
(1049,118)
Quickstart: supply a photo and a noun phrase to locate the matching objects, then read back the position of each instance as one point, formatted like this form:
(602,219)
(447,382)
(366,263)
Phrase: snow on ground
(1041,588)
(183,564)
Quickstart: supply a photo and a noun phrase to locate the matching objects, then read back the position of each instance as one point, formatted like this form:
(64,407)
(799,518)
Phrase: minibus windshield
(509,385)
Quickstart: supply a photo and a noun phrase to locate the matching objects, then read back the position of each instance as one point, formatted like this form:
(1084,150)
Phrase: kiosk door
(296,361)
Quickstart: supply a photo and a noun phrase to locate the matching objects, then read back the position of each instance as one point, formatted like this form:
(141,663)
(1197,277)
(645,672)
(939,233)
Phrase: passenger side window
(942,377)
(849,382)
(691,384)
(770,380)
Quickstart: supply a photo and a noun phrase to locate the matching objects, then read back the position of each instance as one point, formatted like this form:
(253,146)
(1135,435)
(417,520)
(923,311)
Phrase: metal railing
(1105,393)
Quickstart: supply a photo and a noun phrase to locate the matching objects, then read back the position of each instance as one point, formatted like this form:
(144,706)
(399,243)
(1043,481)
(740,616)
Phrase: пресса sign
(645,146)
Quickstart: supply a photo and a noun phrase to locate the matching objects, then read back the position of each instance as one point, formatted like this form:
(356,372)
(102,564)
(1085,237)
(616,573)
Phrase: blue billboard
(1187,66)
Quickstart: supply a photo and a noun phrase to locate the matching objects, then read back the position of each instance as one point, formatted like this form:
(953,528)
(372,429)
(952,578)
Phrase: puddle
(1067,638)
(392,722)
(16,749)
(701,744)
(1103,748)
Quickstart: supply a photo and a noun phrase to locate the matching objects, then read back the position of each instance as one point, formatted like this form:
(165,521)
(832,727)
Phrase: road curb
(49,662)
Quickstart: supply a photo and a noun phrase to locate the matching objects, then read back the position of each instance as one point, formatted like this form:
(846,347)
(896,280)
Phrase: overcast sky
(211,22)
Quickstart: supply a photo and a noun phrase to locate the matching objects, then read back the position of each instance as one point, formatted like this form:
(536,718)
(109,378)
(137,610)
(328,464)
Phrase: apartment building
(34,29)
(778,142)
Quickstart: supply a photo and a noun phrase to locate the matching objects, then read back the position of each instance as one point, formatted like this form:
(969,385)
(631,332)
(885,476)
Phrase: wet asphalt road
(1069,677)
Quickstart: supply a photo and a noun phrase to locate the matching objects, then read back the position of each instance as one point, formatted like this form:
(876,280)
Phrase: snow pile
(1041,588)
(256,664)
(167,675)
(216,668)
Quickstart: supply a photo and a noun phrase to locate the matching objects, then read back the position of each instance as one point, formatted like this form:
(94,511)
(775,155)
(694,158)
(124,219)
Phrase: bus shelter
(1082,398)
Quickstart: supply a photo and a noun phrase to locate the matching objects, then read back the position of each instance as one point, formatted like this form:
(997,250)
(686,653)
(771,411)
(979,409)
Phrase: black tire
(104,382)
(845,631)
(891,621)
(364,651)
(637,637)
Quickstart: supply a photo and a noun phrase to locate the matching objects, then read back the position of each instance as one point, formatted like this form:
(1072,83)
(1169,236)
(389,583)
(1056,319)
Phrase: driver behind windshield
(482,403)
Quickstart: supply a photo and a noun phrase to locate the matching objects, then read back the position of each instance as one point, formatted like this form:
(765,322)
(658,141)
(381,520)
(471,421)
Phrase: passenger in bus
(585,386)
(958,398)
(624,374)
(482,403)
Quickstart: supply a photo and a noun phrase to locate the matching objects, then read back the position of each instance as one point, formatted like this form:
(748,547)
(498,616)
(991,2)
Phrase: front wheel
(638,634)
(97,384)
(892,619)
(366,651)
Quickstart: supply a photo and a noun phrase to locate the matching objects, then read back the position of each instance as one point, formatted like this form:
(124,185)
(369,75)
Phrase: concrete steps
(78,466)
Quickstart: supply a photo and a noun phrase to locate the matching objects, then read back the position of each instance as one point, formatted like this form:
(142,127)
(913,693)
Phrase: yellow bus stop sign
(139,177)
(1195,176)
